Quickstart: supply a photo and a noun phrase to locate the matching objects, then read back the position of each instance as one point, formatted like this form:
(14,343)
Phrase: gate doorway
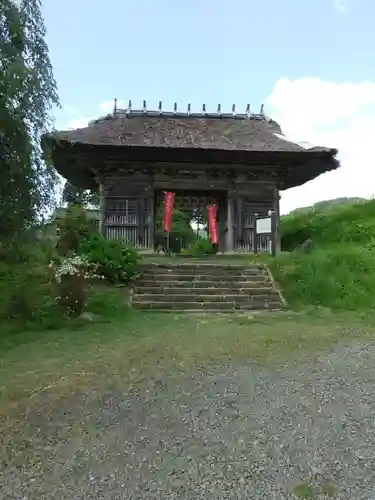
(189,223)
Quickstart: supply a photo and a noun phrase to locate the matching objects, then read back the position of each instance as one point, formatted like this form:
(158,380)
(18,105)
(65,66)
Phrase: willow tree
(27,95)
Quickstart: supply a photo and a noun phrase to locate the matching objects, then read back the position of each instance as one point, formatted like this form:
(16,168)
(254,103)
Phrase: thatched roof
(234,139)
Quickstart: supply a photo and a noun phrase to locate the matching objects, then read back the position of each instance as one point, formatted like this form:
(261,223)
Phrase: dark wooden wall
(128,207)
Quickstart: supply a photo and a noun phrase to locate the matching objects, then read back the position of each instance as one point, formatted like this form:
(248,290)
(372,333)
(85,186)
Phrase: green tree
(27,94)
(180,223)
(78,196)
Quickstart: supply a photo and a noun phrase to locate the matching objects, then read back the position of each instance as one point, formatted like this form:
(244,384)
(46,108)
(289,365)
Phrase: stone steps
(205,287)
(219,283)
(190,290)
(149,297)
(206,306)
(205,277)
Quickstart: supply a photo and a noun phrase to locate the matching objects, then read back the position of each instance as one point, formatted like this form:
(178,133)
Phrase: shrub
(72,294)
(27,293)
(114,261)
(202,246)
(336,277)
(70,275)
(73,228)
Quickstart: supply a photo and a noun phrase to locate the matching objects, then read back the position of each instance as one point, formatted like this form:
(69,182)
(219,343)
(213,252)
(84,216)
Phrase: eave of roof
(191,138)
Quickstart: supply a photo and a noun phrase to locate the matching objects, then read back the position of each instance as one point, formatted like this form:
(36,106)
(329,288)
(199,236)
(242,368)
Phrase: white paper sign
(264,226)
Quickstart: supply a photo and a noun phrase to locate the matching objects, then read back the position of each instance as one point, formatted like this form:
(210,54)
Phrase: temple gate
(239,162)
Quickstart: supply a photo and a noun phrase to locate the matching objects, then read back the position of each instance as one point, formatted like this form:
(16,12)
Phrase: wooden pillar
(276,210)
(239,223)
(151,218)
(255,234)
(273,216)
(230,216)
(141,221)
(102,209)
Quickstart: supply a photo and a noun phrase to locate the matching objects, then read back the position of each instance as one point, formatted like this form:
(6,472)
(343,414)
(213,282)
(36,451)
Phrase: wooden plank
(276,208)
(239,220)
(141,218)
(102,209)
(230,231)
(189,184)
(151,219)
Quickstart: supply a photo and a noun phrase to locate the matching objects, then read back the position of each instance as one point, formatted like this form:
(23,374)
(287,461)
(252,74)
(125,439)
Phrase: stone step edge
(208,311)
(181,290)
(203,275)
(202,297)
(198,265)
(258,307)
(202,305)
(217,284)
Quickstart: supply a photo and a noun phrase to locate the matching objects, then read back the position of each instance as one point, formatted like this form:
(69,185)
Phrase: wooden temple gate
(132,218)
(238,160)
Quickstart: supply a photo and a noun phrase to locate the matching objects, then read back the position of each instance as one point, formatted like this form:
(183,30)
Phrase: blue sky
(309,61)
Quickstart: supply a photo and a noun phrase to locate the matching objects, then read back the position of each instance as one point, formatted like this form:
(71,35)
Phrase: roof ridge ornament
(204,113)
(263,114)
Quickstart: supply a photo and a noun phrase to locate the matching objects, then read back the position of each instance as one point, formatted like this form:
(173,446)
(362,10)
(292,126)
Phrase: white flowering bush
(70,266)
(70,274)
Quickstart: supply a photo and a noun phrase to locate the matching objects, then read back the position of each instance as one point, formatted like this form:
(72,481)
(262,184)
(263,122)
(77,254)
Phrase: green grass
(354,224)
(339,273)
(337,277)
(140,348)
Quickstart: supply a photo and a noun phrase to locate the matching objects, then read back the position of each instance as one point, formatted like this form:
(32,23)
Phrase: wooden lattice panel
(124,211)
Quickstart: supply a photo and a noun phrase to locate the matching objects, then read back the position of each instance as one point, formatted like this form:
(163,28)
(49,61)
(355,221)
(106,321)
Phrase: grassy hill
(349,224)
(327,205)
(339,272)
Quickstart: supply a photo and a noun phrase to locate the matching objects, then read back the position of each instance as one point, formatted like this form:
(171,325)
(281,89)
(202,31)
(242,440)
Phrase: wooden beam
(119,162)
(230,229)
(276,209)
(102,207)
(151,219)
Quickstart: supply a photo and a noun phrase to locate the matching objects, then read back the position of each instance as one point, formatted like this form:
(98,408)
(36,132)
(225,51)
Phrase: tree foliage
(79,196)
(180,223)
(27,94)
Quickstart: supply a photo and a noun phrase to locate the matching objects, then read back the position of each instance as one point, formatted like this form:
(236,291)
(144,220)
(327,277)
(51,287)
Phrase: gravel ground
(233,432)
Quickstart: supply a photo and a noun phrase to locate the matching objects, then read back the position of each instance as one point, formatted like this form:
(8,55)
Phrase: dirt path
(232,432)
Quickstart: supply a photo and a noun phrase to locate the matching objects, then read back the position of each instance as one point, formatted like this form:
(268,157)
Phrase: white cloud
(340,6)
(108,106)
(340,115)
(104,108)
(78,123)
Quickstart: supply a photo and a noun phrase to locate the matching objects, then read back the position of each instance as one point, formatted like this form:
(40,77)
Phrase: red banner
(212,224)
(168,211)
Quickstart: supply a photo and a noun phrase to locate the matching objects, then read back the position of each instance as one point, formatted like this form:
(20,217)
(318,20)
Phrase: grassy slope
(327,205)
(340,271)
